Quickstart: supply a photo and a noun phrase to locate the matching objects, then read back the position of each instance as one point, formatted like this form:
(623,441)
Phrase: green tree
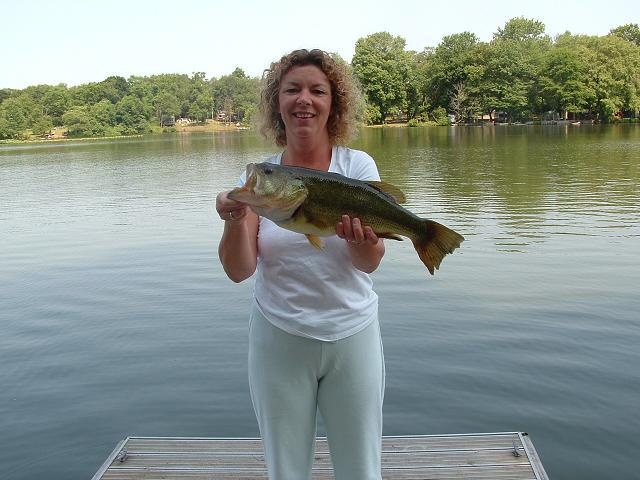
(521,29)
(513,63)
(144,89)
(236,94)
(86,94)
(42,125)
(630,32)
(6,93)
(564,80)
(19,112)
(13,120)
(201,106)
(382,66)
(55,102)
(177,85)
(417,103)
(614,75)
(104,112)
(130,115)
(440,116)
(166,104)
(463,105)
(113,88)
(6,128)
(35,92)
(80,123)
(451,63)
(201,100)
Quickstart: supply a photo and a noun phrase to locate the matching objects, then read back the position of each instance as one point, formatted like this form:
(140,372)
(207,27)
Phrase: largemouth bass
(312,202)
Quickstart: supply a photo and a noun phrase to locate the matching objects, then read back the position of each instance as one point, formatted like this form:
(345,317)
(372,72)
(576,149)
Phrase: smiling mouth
(303,115)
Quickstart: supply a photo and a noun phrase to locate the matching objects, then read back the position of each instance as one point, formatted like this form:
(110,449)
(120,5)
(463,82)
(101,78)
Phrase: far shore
(57,133)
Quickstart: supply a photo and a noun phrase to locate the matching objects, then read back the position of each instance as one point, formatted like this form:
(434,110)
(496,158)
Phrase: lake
(118,320)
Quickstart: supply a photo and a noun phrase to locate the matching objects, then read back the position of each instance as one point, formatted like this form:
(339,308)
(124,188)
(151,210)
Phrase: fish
(312,202)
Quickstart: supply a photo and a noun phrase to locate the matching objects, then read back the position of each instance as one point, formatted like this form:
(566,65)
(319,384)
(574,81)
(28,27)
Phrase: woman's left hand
(352,230)
(365,247)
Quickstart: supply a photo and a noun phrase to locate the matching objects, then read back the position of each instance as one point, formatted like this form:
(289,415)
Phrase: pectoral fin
(315,240)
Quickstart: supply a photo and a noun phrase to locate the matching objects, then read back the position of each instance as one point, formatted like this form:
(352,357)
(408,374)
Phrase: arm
(238,249)
(365,247)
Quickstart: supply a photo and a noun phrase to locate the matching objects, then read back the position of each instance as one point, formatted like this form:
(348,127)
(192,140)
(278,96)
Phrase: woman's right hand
(230,210)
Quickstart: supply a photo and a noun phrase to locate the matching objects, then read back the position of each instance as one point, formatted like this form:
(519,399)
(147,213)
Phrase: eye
(268,171)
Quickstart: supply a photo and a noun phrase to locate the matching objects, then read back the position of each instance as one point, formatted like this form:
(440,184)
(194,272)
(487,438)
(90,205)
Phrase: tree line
(519,74)
(119,106)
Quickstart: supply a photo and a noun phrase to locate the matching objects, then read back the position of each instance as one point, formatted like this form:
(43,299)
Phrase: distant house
(227,117)
(168,121)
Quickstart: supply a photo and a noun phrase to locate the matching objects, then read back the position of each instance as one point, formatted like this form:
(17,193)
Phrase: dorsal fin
(391,190)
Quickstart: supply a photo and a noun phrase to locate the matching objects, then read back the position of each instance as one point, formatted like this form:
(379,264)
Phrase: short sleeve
(356,164)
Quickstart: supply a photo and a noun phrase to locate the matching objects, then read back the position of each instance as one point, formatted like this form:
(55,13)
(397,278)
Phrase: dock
(495,456)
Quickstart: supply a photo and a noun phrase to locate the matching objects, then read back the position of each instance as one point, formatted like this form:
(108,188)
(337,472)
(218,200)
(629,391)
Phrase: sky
(82,41)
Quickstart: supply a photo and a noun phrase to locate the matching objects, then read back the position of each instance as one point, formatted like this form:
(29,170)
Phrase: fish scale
(359,200)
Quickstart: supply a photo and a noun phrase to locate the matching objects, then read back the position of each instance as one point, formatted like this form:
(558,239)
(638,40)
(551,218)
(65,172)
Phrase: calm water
(117,319)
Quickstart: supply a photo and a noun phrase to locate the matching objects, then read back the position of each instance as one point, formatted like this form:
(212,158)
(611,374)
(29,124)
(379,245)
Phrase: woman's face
(305,102)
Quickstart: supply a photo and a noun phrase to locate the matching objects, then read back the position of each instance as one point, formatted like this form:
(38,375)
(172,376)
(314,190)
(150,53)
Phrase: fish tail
(434,242)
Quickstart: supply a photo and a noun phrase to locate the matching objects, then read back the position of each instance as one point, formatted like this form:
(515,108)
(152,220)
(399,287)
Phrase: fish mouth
(252,178)
(250,182)
(246,191)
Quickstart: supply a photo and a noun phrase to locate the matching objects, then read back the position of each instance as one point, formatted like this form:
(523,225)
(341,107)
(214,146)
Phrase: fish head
(271,190)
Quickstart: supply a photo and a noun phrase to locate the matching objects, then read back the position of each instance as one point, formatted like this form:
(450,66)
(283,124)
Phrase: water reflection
(533,181)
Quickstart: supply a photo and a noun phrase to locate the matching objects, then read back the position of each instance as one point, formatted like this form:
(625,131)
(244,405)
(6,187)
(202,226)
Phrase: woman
(314,341)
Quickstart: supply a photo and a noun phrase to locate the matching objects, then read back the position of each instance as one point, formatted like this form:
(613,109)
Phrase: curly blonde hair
(345,95)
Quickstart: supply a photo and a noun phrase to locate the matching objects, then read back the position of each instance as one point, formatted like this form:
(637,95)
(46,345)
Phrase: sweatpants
(292,377)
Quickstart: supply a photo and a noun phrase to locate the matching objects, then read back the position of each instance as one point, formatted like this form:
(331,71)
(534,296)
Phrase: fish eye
(268,171)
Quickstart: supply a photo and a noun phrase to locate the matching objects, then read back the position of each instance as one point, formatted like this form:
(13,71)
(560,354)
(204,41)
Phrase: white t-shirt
(310,292)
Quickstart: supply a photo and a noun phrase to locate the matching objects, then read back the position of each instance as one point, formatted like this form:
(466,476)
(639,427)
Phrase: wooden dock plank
(475,473)
(447,457)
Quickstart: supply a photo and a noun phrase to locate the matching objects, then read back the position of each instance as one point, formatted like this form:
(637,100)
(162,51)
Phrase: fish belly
(300,224)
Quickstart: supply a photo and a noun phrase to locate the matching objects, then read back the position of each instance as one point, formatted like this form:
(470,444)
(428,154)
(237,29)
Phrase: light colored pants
(291,377)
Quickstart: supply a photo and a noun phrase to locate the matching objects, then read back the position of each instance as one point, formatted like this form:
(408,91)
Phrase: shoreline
(210,126)
(214,127)
(58,133)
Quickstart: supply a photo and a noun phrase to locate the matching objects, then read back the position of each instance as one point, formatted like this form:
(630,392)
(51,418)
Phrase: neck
(316,155)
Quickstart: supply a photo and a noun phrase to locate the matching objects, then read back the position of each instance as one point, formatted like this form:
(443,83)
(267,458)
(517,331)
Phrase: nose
(304,98)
